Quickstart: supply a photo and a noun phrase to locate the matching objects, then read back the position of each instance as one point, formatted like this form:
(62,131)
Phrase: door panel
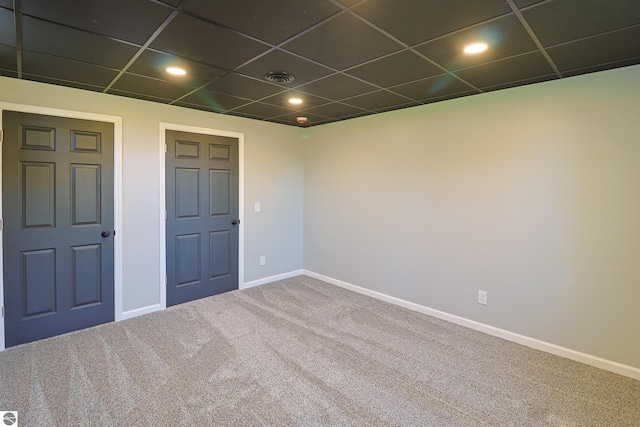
(57,200)
(202,201)
(38,194)
(86,194)
(38,284)
(219,192)
(85,275)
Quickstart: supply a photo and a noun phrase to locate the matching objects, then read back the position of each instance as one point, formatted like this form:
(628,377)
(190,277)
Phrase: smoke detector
(280,77)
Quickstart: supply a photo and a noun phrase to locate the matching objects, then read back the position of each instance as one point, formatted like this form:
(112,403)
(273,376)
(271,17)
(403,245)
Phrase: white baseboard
(140,311)
(577,356)
(271,279)
(156,307)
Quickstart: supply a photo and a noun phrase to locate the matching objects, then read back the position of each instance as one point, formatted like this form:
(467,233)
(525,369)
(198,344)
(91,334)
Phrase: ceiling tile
(610,47)
(395,69)
(243,87)
(525,3)
(505,36)
(139,96)
(8,58)
(336,110)
(174,3)
(203,42)
(201,107)
(602,67)
(348,3)
(7,28)
(60,82)
(147,86)
(415,21)
(589,18)
(337,87)
(524,82)
(377,101)
(214,101)
(154,64)
(508,70)
(141,19)
(268,21)
(438,86)
(304,71)
(66,69)
(449,96)
(6,3)
(258,109)
(282,100)
(342,43)
(42,36)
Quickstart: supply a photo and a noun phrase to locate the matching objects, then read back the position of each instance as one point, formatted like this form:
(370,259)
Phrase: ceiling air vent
(280,77)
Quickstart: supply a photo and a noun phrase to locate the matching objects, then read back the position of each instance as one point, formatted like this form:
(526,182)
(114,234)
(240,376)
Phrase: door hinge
(166,281)
(165,149)
(1,224)
(1,136)
(166,215)
(3,311)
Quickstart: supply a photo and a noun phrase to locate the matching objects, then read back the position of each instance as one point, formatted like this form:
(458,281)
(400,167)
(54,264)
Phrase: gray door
(202,215)
(57,201)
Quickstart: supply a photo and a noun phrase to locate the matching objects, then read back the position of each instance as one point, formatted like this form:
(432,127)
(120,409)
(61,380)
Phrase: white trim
(117,193)
(272,279)
(140,311)
(577,356)
(163,203)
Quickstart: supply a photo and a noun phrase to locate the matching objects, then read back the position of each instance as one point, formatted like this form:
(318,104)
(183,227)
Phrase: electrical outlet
(263,260)
(482,297)
(256,207)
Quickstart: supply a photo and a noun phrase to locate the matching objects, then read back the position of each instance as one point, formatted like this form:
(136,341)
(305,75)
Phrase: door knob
(106,233)
(235,222)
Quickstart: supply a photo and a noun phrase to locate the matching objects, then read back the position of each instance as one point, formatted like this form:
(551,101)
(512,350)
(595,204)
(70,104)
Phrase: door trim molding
(163,202)
(117,194)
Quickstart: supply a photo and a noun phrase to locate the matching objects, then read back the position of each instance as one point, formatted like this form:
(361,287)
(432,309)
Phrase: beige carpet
(302,352)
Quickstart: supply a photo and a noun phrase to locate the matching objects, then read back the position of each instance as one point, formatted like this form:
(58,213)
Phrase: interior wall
(273,166)
(531,194)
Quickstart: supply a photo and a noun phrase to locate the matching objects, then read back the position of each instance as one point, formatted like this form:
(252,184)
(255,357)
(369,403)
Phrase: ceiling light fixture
(295,101)
(176,71)
(476,48)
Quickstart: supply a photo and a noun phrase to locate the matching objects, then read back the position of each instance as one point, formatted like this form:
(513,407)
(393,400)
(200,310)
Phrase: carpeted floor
(302,352)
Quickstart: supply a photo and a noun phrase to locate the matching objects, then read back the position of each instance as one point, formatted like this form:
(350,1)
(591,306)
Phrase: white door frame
(163,202)
(117,195)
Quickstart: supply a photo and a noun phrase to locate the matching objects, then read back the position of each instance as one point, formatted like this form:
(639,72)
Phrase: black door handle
(235,222)
(106,233)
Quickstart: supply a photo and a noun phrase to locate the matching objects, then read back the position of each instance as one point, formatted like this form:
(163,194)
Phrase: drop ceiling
(350,58)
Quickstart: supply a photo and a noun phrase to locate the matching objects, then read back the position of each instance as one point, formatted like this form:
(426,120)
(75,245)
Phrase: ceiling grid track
(349,57)
(533,35)
(155,34)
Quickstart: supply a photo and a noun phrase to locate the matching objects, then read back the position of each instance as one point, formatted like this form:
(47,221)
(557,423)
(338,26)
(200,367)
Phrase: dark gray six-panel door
(57,176)
(202,215)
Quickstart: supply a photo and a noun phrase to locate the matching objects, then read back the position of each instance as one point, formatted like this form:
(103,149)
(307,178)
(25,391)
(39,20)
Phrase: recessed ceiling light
(295,101)
(476,48)
(176,71)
